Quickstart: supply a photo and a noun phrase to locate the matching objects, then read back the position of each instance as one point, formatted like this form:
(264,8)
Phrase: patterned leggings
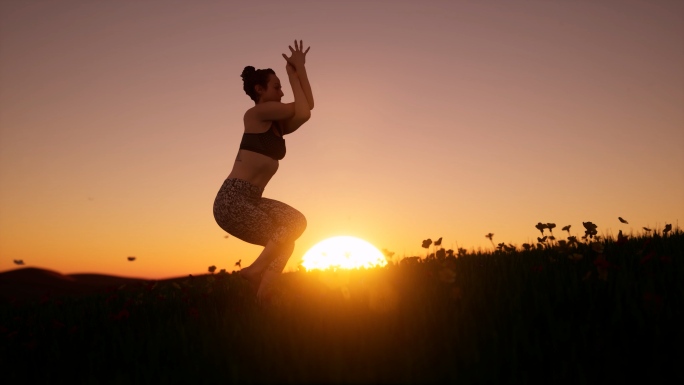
(240,210)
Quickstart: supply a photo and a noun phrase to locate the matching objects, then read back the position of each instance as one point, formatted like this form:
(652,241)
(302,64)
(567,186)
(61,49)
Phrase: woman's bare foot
(253,277)
(265,291)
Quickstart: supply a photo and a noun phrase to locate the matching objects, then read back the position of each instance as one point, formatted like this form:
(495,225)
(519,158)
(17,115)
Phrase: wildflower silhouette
(541,240)
(212,269)
(438,243)
(239,263)
(388,254)
(526,246)
(621,238)
(18,261)
(131,259)
(572,240)
(540,226)
(550,226)
(490,235)
(426,244)
(622,220)
(647,229)
(566,228)
(590,229)
(667,228)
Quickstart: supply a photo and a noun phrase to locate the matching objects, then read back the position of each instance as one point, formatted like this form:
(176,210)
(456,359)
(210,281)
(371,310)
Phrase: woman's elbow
(302,117)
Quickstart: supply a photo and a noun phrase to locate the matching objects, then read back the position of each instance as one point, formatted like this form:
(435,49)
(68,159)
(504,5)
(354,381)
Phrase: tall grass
(589,312)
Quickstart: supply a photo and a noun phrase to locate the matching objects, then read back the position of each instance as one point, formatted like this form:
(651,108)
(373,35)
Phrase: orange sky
(120,120)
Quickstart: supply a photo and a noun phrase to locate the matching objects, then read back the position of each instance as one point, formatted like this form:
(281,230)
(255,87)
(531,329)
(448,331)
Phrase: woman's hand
(298,58)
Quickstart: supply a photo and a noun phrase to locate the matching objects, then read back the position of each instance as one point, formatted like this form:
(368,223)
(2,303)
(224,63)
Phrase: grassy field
(588,312)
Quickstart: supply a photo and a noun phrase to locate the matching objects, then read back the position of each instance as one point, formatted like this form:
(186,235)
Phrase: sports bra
(266,143)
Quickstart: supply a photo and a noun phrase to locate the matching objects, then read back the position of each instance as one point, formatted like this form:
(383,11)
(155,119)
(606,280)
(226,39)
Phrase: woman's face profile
(273,91)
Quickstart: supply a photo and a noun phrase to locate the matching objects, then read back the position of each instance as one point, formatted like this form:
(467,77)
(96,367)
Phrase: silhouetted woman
(239,207)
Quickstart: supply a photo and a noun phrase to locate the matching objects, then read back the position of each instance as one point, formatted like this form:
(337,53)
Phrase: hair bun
(247,72)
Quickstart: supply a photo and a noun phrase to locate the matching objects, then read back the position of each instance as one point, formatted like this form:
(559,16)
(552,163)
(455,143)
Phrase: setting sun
(343,252)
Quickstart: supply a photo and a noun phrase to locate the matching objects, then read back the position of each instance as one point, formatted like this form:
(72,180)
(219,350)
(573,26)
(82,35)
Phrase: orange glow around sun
(343,252)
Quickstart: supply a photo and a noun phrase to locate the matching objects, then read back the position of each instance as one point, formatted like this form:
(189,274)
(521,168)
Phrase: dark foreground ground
(543,316)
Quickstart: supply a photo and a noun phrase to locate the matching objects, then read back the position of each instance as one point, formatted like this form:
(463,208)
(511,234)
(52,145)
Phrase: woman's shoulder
(270,111)
(249,113)
(251,116)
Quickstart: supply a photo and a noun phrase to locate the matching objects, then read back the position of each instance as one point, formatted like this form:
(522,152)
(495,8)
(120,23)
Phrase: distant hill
(33,283)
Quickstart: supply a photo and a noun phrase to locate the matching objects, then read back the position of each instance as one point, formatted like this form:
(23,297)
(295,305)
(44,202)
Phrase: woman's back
(256,168)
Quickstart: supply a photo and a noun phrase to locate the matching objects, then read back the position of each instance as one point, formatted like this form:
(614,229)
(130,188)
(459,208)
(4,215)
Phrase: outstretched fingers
(294,51)
(301,46)
(298,47)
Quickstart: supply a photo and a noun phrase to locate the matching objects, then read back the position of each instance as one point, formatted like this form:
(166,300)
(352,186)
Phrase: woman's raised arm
(302,110)
(306,87)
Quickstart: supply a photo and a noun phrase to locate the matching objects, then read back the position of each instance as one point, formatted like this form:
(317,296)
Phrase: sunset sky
(119,121)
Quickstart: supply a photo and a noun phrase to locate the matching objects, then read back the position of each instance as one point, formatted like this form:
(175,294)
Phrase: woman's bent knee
(301,225)
(291,230)
(296,226)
